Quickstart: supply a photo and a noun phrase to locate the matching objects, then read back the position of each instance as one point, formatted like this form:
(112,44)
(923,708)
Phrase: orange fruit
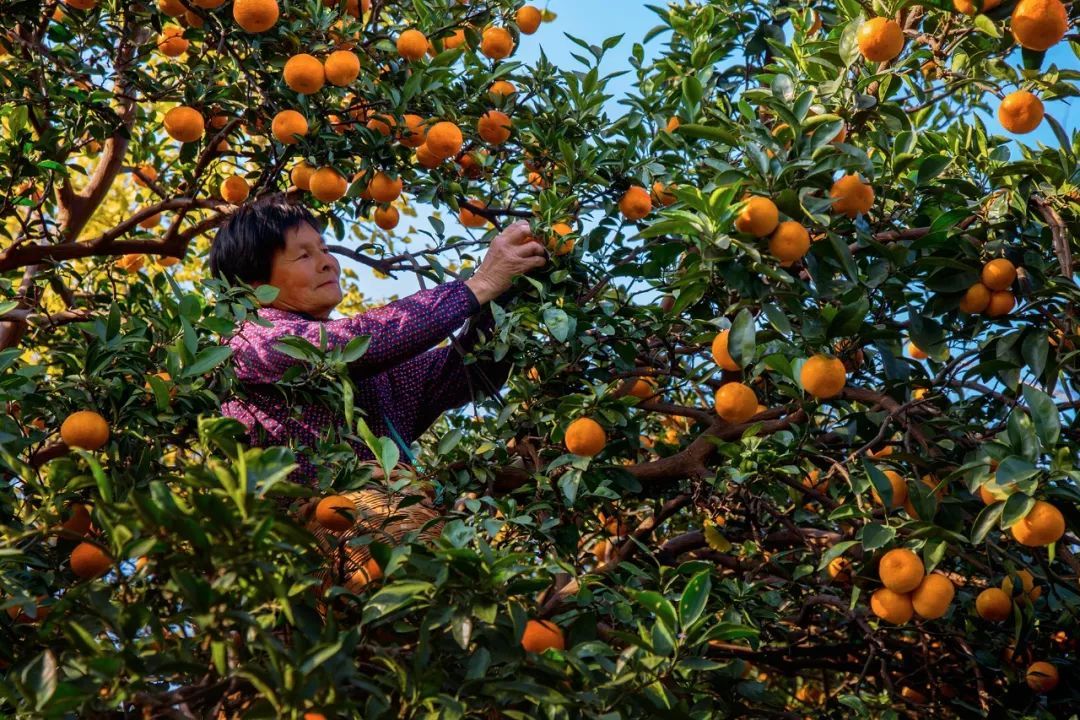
(663,194)
(234,189)
(382,124)
(993,604)
(1043,525)
(1041,676)
(301,175)
(172,8)
(384,189)
(444,139)
(915,351)
(171,42)
(148,171)
(151,221)
(892,607)
(497,43)
(790,242)
(759,217)
(839,569)
(1001,303)
(85,429)
(369,572)
(880,39)
(672,124)
(454,41)
(1027,582)
(167,261)
(899,490)
(426,158)
(494,127)
(998,274)
(968,6)
(528,19)
(1039,24)
(811,481)
(184,123)
(851,196)
(601,550)
(541,635)
(470,219)
(327,184)
(720,352)
(901,570)
(975,299)
(585,436)
(502,88)
(931,599)
(735,402)
(288,126)
(556,244)
(823,376)
(255,16)
(412,44)
(304,74)
(1020,112)
(342,67)
(336,513)
(387,217)
(79,520)
(414,134)
(88,561)
(643,388)
(635,203)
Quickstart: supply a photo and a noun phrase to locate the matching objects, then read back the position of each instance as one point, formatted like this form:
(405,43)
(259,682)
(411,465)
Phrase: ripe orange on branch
(968,6)
(541,635)
(414,132)
(342,67)
(1042,677)
(85,429)
(327,184)
(892,607)
(851,196)
(470,219)
(255,16)
(444,139)
(171,42)
(528,19)
(1027,583)
(993,604)
(301,175)
(304,74)
(735,402)
(976,299)
(557,243)
(635,203)
(1039,24)
(88,561)
(759,217)
(880,39)
(790,242)
(412,44)
(998,274)
(720,352)
(1020,112)
(184,123)
(1043,525)
(932,598)
(384,189)
(823,376)
(585,436)
(235,189)
(1001,303)
(899,490)
(901,570)
(494,127)
(663,194)
(497,43)
(387,217)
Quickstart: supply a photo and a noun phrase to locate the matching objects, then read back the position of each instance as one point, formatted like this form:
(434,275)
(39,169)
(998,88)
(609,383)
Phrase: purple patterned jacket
(401,376)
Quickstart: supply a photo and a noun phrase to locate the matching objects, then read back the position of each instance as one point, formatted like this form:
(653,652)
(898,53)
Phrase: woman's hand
(514,251)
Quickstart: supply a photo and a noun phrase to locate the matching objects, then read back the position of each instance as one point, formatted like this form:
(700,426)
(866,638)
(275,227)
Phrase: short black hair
(244,246)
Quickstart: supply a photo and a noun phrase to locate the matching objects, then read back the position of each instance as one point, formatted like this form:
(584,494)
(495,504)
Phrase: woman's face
(307,276)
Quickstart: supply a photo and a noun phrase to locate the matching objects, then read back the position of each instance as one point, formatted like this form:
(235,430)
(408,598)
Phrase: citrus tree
(793,425)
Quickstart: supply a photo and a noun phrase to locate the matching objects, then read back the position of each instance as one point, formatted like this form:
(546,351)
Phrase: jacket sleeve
(441,379)
(399,331)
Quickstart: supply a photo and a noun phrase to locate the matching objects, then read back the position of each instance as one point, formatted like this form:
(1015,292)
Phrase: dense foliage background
(696,566)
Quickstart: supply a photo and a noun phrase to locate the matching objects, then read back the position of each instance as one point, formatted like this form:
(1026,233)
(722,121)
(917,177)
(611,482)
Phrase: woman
(402,383)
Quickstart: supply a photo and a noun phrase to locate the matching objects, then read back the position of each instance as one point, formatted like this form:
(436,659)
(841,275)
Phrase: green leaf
(103,481)
(207,359)
(318,656)
(931,167)
(988,518)
(709,132)
(1044,414)
(449,441)
(40,676)
(742,340)
(694,598)
(659,606)
(558,323)
(876,536)
(266,294)
(1016,508)
(394,597)
(986,26)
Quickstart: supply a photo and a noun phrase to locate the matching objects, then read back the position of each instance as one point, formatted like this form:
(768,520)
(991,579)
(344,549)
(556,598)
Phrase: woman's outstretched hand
(514,251)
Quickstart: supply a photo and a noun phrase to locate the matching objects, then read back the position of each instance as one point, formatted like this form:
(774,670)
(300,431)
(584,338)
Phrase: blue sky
(596,20)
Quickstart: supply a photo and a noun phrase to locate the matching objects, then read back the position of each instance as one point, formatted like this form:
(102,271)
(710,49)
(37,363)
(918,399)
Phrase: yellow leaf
(715,538)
